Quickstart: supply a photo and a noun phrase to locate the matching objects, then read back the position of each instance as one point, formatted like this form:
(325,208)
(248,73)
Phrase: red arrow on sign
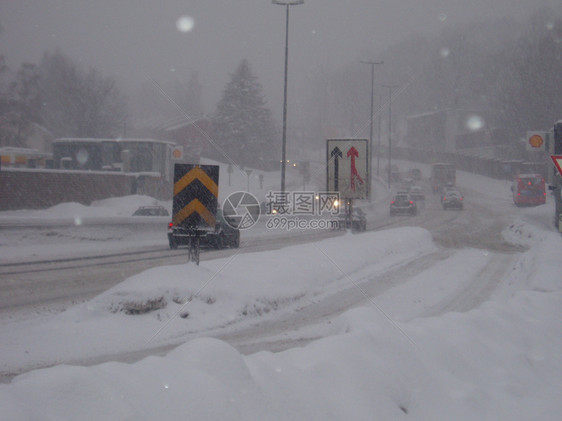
(353,153)
(557,159)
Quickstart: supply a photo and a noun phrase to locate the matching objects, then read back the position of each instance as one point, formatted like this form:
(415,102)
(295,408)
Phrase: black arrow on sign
(335,154)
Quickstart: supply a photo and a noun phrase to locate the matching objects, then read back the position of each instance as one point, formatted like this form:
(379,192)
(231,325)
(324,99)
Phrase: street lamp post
(379,135)
(372,63)
(390,87)
(285,3)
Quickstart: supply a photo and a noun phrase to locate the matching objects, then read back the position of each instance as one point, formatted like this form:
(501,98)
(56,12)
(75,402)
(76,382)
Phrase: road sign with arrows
(196,190)
(347,169)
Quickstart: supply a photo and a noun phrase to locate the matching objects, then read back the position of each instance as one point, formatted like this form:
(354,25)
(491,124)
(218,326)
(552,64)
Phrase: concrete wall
(40,189)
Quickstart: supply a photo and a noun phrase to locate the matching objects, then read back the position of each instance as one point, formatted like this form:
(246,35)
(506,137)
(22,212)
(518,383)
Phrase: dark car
(357,222)
(151,211)
(415,173)
(394,173)
(447,187)
(417,194)
(452,199)
(403,204)
(224,235)
(406,184)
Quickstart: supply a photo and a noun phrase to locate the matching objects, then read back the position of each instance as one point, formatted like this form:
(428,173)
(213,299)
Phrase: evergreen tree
(187,95)
(243,124)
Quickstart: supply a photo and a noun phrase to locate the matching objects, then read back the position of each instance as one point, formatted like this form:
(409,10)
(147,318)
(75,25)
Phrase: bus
(529,190)
(442,174)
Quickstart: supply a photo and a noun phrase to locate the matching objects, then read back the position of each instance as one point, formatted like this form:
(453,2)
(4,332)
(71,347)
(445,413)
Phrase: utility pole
(285,3)
(379,128)
(390,88)
(371,116)
(557,177)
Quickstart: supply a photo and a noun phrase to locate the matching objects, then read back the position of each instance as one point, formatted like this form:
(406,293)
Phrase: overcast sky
(129,39)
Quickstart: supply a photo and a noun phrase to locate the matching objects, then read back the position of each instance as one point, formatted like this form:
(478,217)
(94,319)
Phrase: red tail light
(170,225)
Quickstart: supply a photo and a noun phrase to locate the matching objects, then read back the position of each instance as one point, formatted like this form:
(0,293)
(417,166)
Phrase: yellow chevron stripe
(194,206)
(196,173)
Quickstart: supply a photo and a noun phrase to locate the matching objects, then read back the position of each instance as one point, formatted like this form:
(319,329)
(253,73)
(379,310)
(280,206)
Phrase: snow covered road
(40,290)
(445,315)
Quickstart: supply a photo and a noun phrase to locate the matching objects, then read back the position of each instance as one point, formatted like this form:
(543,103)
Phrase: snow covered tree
(243,125)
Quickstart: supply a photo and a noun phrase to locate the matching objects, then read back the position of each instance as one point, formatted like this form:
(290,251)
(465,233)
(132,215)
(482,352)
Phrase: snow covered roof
(118,140)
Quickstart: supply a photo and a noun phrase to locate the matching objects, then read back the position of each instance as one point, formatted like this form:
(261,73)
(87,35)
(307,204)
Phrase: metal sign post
(557,160)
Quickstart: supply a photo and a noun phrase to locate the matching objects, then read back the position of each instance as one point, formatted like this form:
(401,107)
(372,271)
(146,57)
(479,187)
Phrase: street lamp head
(287,2)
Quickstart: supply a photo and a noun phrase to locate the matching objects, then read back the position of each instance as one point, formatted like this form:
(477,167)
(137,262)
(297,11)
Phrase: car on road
(446,188)
(407,183)
(403,204)
(417,194)
(357,222)
(452,199)
(394,172)
(151,211)
(224,235)
(415,173)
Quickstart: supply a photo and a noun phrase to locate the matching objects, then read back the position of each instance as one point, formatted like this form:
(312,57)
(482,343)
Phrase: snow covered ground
(384,360)
(74,230)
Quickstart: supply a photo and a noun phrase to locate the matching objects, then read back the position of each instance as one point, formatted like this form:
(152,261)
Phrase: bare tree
(78,103)
(25,104)
(532,100)
(6,119)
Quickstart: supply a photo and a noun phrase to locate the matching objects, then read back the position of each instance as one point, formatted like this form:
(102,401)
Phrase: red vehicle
(529,190)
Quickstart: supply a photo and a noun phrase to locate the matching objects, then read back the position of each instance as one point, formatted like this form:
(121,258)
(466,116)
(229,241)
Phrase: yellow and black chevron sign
(196,190)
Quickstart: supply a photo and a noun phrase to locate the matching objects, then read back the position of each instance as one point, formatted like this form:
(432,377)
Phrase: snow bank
(165,304)
(111,207)
(499,361)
